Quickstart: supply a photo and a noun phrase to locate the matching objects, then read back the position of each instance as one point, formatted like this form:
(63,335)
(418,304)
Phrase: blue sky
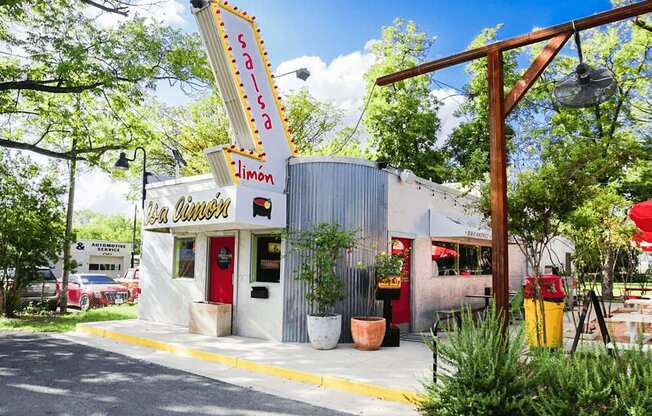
(293,28)
(329,38)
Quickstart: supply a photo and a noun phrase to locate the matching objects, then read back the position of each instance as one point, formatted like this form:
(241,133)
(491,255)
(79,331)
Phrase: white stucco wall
(165,299)
(409,217)
(256,318)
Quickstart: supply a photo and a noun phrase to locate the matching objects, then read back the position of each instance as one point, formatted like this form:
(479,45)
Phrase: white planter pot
(324,331)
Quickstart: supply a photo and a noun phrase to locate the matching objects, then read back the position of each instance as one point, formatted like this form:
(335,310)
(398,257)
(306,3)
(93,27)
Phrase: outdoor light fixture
(123,164)
(407,176)
(198,4)
(382,164)
(586,86)
(302,73)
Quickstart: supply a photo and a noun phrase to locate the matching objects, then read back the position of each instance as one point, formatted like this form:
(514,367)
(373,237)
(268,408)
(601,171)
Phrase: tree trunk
(608,274)
(67,262)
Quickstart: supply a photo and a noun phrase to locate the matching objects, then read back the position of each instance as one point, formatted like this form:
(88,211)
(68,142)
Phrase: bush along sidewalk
(496,375)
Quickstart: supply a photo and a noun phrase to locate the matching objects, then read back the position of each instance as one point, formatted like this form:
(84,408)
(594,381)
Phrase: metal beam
(599,19)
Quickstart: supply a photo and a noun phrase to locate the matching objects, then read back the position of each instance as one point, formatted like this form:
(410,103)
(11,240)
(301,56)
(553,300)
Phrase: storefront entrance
(401,307)
(221,260)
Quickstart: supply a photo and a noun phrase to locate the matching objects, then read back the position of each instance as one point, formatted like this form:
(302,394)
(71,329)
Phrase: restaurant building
(218,238)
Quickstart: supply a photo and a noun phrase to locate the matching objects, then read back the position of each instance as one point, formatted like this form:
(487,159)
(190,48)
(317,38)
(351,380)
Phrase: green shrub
(592,383)
(494,376)
(490,377)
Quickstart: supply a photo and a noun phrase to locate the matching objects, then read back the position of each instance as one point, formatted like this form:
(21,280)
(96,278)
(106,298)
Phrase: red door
(401,307)
(222,259)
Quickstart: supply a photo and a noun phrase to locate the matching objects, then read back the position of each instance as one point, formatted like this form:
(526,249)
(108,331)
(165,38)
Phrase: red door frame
(402,308)
(220,281)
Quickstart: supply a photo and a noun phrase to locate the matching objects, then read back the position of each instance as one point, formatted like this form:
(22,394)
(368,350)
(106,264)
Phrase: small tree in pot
(368,331)
(319,250)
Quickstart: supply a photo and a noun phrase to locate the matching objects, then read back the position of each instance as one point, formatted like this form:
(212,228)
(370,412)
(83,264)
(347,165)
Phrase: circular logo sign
(224,257)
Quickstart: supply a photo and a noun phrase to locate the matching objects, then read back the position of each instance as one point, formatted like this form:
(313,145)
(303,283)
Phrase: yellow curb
(338,383)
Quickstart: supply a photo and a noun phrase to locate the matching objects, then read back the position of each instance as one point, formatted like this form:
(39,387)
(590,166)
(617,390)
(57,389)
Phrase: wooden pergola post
(500,107)
(498,174)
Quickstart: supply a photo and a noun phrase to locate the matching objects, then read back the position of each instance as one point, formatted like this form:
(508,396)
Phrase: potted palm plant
(320,249)
(368,331)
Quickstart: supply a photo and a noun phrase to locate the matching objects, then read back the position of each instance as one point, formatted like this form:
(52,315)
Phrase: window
(469,260)
(444,258)
(184,258)
(266,252)
(485,260)
(93,266)
(460,259)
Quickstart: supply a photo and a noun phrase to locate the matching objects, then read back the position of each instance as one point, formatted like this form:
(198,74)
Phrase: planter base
(324,331)
(392,337)
(212,319)
(367,332)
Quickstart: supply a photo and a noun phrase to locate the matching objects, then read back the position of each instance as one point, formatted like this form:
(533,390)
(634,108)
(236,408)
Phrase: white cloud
(98,192)
(340,82)
(169,12)
(450,101)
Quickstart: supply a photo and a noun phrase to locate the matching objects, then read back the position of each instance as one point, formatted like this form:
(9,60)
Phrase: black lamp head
(198,4)
(122,162)
(303,74)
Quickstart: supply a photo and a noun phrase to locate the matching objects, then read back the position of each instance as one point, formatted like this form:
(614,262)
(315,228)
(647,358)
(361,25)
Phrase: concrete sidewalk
(392,374)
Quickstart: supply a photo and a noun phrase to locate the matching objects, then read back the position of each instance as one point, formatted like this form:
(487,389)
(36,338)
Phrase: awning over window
(448,225)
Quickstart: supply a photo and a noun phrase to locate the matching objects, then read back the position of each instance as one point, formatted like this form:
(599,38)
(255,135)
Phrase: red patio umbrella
(439,252)
(641,214)
(643,240)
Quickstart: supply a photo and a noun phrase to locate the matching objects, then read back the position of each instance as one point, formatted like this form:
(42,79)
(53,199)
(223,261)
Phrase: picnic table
(633,320)
(628,292)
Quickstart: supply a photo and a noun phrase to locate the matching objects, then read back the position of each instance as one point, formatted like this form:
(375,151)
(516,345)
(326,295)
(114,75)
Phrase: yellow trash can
(554,319)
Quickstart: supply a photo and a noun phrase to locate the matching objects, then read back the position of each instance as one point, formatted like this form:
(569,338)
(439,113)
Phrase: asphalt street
(42,375)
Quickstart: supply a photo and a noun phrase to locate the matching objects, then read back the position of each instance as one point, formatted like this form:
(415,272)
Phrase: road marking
(338,383)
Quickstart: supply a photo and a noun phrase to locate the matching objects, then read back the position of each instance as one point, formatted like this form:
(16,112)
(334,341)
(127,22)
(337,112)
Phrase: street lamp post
(123,164)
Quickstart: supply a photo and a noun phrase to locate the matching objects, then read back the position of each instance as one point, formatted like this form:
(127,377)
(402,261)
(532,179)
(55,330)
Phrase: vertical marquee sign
(263,143)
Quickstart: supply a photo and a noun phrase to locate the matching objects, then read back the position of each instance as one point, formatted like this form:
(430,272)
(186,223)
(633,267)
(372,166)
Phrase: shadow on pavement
(41,375)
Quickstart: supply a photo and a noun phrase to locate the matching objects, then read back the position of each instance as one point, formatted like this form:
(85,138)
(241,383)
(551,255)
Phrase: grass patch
(63,323)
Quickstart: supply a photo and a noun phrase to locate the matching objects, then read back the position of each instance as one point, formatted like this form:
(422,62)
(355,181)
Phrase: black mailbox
(259,292)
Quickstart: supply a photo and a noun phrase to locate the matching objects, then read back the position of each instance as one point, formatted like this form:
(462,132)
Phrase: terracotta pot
(368,332)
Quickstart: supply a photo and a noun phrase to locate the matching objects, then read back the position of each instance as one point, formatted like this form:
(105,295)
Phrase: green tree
(31,223)
(539,201)
(189,129)
(311,121)
(402,119)
(112,227)
(71,89)
(601,229)
(61,61)
(468,144)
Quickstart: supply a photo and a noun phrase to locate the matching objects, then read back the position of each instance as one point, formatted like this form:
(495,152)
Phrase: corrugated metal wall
(352,193)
